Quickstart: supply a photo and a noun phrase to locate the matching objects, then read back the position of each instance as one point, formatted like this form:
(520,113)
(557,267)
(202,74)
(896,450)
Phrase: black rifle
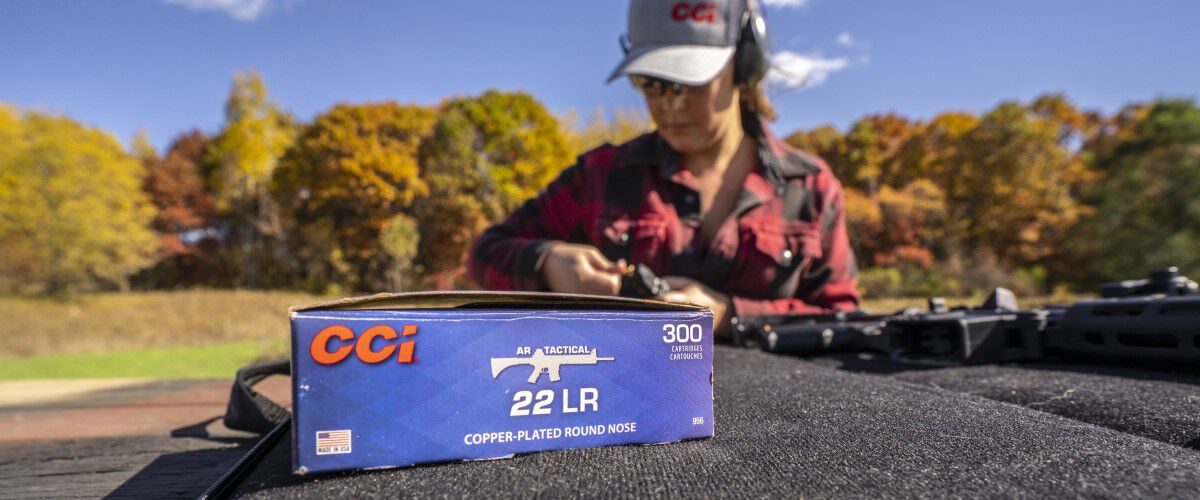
(812,334)
(1155,320)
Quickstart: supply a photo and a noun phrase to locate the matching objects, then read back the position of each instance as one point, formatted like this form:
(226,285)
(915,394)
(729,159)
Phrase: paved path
(117,438)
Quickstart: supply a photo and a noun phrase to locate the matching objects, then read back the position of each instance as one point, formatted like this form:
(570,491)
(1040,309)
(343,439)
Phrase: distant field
(142,320)
(183,334)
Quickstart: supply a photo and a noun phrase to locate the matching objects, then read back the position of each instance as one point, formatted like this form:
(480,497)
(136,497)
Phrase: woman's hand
(571,268)
(690,291)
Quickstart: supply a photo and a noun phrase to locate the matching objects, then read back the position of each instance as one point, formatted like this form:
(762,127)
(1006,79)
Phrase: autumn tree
(1008,185)
(72,214)
(185,208)
(896,226)
(141,148)
(871,152)
(825,141)
(486,156)
(240,163)
(1000,189)
(600,128)
(398,243)
(355,168)
(1113,131)
(1147,196)
(894,216)
(178,192)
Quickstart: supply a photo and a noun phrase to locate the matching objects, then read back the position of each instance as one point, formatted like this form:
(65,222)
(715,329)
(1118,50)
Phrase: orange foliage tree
(349,174)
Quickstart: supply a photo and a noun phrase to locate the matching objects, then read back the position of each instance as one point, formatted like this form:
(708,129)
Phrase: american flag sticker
(333,442)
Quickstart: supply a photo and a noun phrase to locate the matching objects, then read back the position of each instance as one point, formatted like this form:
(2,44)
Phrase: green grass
(211,361)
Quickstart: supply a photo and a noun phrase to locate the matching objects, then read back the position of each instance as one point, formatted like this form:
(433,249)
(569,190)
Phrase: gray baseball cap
(688,42)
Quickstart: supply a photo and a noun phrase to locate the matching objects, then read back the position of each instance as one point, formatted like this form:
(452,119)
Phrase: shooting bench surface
(123,438)
(784,426)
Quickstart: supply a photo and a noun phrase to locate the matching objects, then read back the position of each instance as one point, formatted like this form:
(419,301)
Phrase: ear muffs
(751,62)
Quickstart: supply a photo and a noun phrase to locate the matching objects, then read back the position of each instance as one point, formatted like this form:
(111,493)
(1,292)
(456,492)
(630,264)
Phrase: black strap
(250,411)
(228,481)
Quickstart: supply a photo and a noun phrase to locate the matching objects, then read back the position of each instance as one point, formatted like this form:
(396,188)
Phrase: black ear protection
(750,60)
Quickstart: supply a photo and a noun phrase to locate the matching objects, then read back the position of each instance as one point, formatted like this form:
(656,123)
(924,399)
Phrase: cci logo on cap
(699,12)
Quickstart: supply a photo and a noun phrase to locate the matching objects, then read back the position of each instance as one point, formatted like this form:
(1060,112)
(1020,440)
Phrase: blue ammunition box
(399,379)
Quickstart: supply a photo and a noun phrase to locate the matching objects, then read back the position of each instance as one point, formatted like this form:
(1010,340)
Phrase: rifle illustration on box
(1149,320)
(549,364)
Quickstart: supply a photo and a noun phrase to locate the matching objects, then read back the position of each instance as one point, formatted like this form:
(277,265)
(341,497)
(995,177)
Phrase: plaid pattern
(784,248)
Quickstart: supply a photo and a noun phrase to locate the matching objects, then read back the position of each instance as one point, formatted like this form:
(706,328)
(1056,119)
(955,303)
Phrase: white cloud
(793,70)
(844,39)
(242,10)
(785,3)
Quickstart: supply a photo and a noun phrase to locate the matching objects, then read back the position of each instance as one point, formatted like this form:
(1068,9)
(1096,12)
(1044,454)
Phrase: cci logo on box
(364,348)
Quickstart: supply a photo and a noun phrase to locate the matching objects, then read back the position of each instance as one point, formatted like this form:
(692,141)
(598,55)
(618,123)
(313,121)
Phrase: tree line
(374,196)
(388,196)
(1034,196)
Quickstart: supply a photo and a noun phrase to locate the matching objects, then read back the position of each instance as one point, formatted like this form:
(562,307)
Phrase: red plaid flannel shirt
(783,249)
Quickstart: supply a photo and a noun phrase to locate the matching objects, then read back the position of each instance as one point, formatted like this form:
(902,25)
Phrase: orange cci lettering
(320,345)
(364,348)
(406,347)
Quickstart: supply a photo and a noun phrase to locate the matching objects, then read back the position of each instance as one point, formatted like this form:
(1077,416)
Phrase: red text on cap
(701,12)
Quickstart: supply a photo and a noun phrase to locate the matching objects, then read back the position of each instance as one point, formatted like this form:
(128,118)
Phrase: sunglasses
(657,87)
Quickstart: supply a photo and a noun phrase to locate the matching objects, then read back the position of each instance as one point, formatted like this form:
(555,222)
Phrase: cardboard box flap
(473,299)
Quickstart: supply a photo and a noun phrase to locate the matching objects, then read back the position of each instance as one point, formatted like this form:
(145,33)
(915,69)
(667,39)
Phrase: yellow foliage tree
(601,129)
(72,214)
(241,162)
(255,135)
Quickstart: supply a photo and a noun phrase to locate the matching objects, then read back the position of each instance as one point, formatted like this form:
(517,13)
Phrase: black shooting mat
(1158,404)
(788,426)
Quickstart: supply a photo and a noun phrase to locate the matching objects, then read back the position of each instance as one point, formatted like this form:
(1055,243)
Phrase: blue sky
(166,65)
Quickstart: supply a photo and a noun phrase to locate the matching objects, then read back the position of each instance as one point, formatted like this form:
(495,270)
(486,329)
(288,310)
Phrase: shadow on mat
(187,473)
(183,474)
(200,430)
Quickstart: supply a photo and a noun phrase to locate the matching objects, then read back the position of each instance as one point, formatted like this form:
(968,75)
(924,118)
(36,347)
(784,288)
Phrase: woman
(733,217)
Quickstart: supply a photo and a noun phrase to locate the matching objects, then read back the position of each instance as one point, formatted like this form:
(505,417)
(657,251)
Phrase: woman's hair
(754,99)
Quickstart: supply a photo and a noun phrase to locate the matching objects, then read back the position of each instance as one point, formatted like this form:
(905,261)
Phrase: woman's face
(697,120)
